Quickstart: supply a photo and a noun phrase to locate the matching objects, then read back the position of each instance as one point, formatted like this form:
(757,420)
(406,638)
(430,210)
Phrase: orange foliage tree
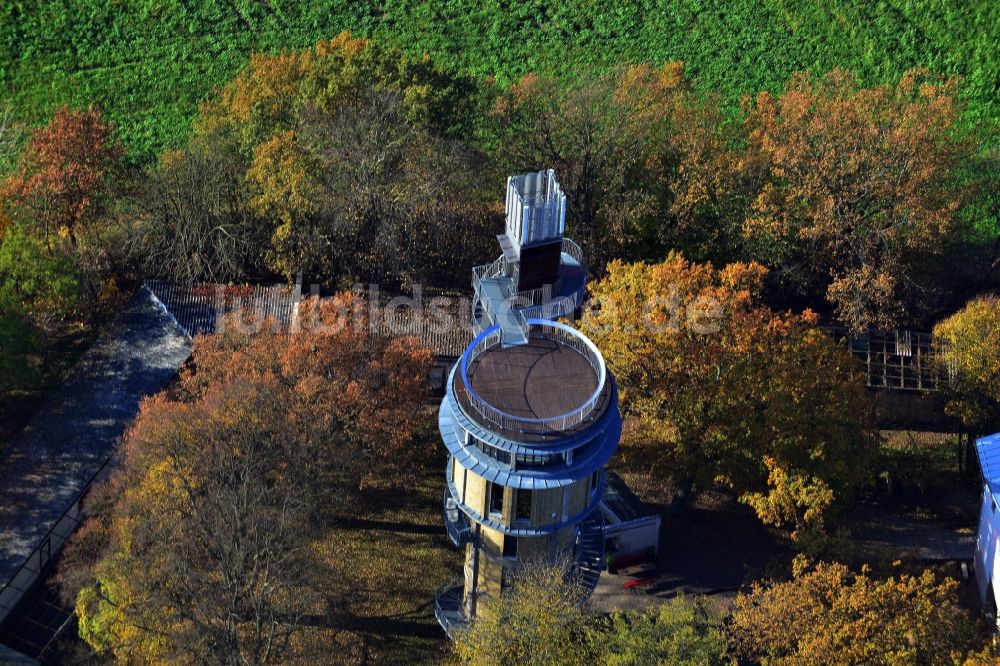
(65,173)
(208,529)
(723,389)
(857,187)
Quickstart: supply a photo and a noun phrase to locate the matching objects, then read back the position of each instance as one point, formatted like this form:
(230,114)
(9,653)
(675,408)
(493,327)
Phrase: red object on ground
(637,582)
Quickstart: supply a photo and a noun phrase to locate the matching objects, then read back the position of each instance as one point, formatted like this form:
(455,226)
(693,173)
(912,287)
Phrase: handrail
(77,505)
(558,307)
(565,335)
(459,534)
(570,247)
(487,271)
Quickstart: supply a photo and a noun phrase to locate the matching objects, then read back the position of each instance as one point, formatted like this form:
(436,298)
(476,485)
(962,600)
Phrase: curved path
(45,468)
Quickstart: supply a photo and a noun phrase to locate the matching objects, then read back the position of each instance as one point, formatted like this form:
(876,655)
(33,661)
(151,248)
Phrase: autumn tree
(359,160)
(598,141)
(287,187)
(540,621)
(193,222)
(722,389)
(970,340)
(827,614)
(643,159)
(65,176)
(209,529)
(858,190)
(210,559)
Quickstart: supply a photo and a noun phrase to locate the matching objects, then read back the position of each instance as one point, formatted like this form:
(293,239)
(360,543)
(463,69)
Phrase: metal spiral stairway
(449,606)
(590,551)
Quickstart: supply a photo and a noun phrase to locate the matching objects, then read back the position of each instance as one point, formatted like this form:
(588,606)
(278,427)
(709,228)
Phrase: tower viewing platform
(553,384)
(530,414)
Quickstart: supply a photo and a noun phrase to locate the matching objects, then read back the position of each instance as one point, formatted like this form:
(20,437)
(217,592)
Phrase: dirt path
(886,534)
(74,432)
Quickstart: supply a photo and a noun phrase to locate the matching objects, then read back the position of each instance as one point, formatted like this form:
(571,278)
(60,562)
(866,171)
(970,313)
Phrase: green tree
(37,288)
(34,282)
(542,619)
(678,632)
(539,621)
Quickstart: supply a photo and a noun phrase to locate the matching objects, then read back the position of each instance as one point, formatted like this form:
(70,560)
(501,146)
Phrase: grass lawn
(399,556)
(149,64)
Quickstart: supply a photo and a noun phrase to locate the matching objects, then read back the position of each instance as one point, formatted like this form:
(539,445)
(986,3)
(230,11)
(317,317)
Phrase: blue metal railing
(449,606)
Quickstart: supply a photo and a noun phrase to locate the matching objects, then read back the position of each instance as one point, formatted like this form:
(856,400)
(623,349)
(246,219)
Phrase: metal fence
(898,360)
(199,309)
(44,554)
(446,339)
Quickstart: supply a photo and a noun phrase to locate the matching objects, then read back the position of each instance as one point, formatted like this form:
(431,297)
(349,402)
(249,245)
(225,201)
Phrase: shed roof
(988,449)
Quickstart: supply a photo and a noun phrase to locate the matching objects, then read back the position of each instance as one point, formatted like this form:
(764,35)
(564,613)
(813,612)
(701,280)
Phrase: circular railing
(552,330)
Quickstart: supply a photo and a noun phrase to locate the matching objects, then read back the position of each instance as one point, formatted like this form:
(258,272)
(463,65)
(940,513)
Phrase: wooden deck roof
(539,380)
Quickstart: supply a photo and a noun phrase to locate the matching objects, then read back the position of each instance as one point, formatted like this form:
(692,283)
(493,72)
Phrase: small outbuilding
(631,529)
(988,537)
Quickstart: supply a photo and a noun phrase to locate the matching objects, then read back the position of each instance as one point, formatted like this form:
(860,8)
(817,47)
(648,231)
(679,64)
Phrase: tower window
(523,504)
(493,452)
(496,499)
(509,546)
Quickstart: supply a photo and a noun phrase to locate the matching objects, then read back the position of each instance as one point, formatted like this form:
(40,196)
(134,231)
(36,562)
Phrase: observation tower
(530,414)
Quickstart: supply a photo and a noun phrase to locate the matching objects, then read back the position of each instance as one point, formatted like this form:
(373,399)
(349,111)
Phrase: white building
(988,538)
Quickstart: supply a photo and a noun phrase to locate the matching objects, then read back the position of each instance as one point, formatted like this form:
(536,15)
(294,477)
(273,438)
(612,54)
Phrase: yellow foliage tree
(285,177)
(971,354)
(828,615)
(725,390)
